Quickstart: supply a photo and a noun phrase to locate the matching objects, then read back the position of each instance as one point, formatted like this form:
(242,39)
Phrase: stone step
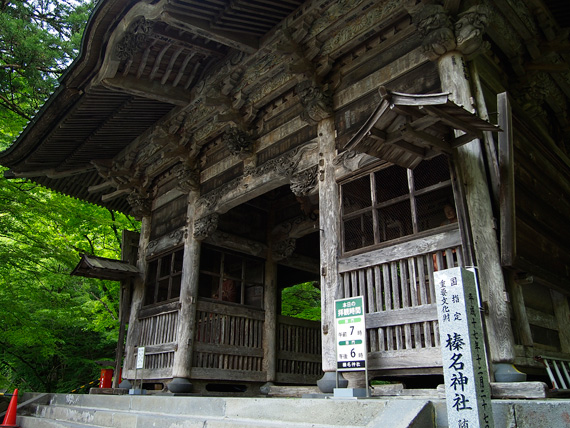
(80,411)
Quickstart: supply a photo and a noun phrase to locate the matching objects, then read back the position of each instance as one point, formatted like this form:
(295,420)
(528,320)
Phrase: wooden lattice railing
(298,350)
(397,284)
(158,327)
(228,342)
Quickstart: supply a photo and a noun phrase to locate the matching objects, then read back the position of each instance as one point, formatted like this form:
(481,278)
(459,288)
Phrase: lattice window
(231,277)
(392,202)
(164,277)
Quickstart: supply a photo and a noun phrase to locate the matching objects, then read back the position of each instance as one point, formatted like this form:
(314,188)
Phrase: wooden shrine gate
(401,312)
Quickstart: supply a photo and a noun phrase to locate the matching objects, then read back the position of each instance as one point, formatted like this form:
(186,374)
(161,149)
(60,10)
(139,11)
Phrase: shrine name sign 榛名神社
(465,372)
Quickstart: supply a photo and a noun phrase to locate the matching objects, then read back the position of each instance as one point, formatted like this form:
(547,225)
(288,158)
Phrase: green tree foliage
(302,301)
(38,40)
(54,326)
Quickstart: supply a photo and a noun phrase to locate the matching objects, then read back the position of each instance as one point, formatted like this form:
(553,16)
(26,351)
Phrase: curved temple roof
(139,61)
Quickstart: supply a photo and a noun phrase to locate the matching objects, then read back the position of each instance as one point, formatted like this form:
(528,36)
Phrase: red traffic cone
(10,418)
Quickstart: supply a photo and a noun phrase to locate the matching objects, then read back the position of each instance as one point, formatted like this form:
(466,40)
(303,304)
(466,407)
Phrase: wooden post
(329,224)
(507,182)
(270,323)
(182,365)
(562,315)
(133,332)
(128,253)
(469,157)
(519,310)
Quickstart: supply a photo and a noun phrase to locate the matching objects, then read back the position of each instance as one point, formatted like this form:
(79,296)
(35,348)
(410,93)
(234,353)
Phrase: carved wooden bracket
(141,206)
(205,226)
(441,35)
(238,142)
(135,39)
(316,101)
(283,249)
(188,177)
(305,182)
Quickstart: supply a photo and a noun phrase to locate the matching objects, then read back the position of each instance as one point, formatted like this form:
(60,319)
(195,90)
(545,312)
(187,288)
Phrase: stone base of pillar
(355,380)
(266,387)
(327,383)
(506,372)
(180,385)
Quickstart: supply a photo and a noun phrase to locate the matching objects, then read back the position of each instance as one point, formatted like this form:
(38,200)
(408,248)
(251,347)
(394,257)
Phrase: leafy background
(54,327)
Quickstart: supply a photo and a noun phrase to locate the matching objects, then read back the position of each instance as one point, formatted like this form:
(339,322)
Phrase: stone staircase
(135,411)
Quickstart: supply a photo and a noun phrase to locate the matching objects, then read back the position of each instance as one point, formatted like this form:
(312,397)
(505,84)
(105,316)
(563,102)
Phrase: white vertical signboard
(140,357)
(350,334)
(467,387)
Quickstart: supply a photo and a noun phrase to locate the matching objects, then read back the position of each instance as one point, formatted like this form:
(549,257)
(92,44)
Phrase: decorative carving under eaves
(283,249)
(525,15)
(238,142)
(350,31)
(205,226)
(332,14)
(469,30)
(140,205)
(209,129)
(511,43)
(317,102)
(538,89)
(259,69)
(279,81)
(165,242)
(135,38)
(284,165)
(188,177)
(436,28)
(304,182)
(352,161)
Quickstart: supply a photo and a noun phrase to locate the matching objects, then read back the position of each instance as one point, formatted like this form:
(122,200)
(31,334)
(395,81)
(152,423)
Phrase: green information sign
(350,334)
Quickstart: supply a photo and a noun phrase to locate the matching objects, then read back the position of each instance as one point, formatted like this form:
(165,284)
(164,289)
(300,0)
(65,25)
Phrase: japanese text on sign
(350,334)
(462,348)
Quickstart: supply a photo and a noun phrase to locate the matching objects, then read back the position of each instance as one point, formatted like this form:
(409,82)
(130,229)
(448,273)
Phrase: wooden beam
(247,44)
(507,182)
(452,121)
(149,89)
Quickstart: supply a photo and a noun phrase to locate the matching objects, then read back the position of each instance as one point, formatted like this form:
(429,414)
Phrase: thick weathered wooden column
(448,44)
(182,365)
(133,333)
(329,224)
(469,157)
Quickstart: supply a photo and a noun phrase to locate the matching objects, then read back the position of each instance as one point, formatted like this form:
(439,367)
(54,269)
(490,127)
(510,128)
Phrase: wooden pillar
(270,323)
(133,333)
(329,224)
(519,309)
(469,157)
(182,364)
(129,254)
(562,315)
